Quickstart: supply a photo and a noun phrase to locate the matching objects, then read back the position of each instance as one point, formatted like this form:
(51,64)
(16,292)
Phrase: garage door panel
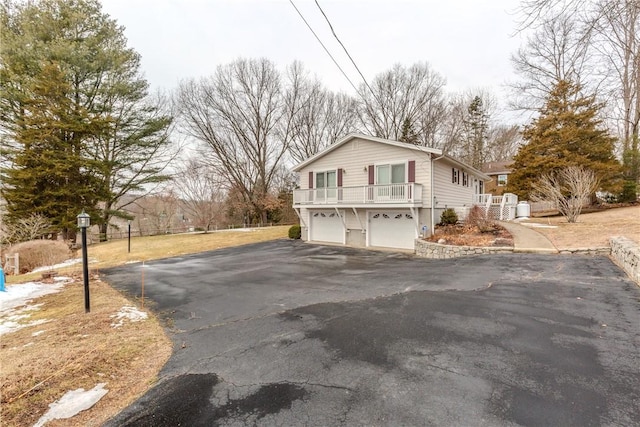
(326,226)
(392,229)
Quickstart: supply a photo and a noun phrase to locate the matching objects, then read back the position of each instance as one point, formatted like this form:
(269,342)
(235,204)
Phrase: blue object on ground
(2,289)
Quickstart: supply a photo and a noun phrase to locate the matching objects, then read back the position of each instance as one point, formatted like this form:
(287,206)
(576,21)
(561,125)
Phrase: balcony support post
(297,211)
(416,219)
(355,212)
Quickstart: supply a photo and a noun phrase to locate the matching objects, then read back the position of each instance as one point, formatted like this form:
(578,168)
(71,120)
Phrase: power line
(344,48)
(325,48)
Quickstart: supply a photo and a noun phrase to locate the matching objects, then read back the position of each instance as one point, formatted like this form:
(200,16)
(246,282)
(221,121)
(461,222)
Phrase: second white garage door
(392,229)
(326,226)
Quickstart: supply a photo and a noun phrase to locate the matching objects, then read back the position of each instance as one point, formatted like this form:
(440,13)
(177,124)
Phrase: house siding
(448,194)
(356,155)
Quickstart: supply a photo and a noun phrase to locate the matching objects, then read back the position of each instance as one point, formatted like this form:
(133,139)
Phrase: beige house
(372,192)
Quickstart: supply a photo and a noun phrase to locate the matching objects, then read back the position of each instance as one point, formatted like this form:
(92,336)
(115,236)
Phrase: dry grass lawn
(78,350)
(109,254)
(74,350)
(592,229)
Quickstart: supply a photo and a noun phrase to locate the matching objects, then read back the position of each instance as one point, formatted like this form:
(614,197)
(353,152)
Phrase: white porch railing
(498,207)
(365,194)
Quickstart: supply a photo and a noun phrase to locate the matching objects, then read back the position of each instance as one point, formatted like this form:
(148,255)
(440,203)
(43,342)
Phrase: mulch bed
(465,235)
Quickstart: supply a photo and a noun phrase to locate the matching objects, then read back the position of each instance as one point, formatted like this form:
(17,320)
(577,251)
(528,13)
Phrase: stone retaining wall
(626,253)
(605,251)
(433,250)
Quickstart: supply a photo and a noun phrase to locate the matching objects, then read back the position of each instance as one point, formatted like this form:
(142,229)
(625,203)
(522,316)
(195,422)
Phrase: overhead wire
(345,49)
(324,47)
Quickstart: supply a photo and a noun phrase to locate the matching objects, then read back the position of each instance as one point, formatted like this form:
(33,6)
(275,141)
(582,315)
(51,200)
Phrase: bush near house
(295,232)
(477,217)
(39,253)
(448,217)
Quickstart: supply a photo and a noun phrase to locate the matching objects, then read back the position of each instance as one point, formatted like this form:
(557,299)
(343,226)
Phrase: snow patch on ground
(15,307)
(538,225)
(129,313)
(72,403)
(66,263)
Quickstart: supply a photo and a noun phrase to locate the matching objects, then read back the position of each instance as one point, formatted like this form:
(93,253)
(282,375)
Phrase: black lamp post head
(84,220)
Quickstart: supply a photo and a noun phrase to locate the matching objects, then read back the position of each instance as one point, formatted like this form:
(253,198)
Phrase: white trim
(351,136)
(421,149)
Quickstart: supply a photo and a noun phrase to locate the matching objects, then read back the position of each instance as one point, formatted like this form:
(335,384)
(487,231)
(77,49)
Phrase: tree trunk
(103,231)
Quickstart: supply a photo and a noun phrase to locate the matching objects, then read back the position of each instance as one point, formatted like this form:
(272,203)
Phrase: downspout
(433,196)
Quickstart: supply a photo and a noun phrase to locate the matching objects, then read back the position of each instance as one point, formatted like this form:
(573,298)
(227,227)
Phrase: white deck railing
(498,207)
(489,199)
(364,194)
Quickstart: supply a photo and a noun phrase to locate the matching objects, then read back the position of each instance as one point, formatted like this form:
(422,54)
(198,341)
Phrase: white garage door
(392,229)
(326,226)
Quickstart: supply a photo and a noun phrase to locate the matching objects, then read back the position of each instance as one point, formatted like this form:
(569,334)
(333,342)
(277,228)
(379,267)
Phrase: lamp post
(129,232)
(84,220)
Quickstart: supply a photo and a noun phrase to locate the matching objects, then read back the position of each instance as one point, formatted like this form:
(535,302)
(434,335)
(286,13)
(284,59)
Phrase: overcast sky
(467,41)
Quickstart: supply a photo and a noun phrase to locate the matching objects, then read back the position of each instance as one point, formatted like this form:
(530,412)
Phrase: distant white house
(371,192)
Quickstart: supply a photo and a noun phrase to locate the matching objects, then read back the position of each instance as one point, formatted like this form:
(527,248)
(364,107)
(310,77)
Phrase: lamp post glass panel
(84,221)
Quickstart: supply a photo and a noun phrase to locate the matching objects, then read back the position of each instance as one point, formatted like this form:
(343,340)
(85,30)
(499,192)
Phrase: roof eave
(351,136)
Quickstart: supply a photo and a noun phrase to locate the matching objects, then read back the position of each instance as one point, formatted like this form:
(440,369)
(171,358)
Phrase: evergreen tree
(409,134)
(475,133)
(109,131)
(566,133)
(49,176)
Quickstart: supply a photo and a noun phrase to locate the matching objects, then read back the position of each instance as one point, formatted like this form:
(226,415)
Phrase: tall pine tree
(97,104)
(566,133)
(49,176)
(475,133)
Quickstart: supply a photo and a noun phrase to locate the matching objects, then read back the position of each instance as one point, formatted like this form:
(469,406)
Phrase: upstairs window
(391,174)
(502,180)
(326,179)
(455,176)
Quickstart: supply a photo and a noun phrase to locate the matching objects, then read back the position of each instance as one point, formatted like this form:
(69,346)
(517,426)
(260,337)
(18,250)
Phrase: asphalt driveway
(288,333)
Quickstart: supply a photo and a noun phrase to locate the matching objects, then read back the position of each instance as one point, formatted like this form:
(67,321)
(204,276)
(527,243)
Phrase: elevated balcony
(391,195)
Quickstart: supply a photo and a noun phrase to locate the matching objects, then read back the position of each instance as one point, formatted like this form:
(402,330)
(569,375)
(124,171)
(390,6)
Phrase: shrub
(477,217)
(295,232)
(39,253)
(628,194)
(448,217)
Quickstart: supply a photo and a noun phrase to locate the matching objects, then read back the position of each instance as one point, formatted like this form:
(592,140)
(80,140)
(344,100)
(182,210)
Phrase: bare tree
(618,44)
(245,114)
(557,50)
(414,93)
(504,141)
(322,118)
(569,189)
(157,214)
(24,229)
(201,193)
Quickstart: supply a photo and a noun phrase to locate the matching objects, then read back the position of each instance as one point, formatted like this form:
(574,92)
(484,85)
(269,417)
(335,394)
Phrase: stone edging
(606,251)
(626,253)
(433,250)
